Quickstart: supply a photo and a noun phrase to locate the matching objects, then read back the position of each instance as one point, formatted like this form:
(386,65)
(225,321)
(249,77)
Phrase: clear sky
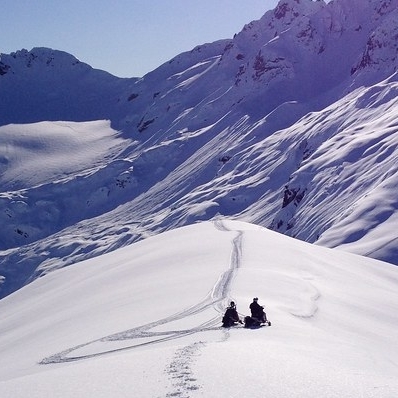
(124,37)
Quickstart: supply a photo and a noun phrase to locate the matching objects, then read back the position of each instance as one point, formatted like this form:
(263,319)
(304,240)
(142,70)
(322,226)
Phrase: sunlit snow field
(144,321)
(46,152)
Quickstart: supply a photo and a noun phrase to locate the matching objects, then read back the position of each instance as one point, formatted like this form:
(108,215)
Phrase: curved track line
(308,299)
(217,298)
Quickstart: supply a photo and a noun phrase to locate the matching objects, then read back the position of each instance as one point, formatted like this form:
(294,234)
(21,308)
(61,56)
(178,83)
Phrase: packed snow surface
(144,321)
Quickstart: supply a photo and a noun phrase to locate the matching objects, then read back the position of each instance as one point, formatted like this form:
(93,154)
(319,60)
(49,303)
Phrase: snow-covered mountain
(155,191)
(289,125)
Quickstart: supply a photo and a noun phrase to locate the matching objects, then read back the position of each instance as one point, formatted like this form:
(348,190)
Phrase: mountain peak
(288,10)
(60,87)
(38,58)
(381,52)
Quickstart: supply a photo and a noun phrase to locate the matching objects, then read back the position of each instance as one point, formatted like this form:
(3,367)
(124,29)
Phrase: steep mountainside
(290,125)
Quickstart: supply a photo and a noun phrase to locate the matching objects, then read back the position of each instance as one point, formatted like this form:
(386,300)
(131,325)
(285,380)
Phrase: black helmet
(255,299)
(232,304)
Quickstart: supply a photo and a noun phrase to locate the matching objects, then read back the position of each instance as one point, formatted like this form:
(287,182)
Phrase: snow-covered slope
(144,321)
(47,152)
(289,125)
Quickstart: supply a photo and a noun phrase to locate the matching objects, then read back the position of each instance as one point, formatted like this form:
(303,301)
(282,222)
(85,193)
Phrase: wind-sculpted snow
(349,179)
(242,172)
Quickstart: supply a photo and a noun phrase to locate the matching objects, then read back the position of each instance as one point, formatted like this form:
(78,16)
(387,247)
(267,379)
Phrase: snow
(144,320)
(38,153)
(104,294)
(289,125)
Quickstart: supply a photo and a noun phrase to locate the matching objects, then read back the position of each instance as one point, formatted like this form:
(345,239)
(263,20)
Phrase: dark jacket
(230,317)
(256,309)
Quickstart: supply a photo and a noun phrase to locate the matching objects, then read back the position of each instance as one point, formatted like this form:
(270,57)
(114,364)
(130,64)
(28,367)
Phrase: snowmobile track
(217,298)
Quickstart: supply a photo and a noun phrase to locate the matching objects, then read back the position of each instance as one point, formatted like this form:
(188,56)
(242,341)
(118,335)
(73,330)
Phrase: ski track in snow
(179,369)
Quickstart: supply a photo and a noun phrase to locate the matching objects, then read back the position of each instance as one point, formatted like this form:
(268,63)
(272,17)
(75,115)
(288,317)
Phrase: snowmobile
(253,323)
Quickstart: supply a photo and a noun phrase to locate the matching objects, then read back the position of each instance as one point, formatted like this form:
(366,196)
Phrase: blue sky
(124,37)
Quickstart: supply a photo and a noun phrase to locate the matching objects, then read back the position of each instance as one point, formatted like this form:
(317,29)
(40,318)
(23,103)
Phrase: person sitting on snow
(258,311)
(231,316)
